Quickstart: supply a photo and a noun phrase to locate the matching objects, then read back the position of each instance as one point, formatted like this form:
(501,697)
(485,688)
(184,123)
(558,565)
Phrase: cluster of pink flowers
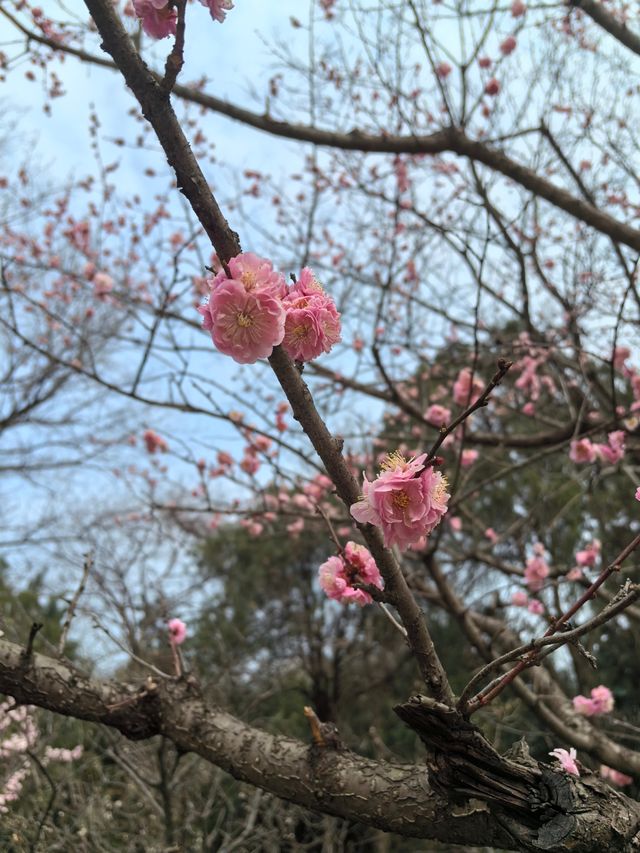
(437,415)
(583,450)
(177,632)
(533,605)
(614,776)
(355,565)
(407,500)
(537,569)
(567,760)
(589,555)
(467,388)
(601,702)
(253,311)
(154,442)
(159,19)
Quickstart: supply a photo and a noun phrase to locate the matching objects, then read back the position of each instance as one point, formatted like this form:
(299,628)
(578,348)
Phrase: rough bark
(467,793)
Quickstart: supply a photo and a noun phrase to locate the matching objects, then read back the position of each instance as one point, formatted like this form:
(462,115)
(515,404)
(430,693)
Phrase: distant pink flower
(158,20)
(65,755)
(615,776)
(574,574)
(102,285)
(218,8)
(508,45)
(529,409)
(296,527)
(484,62)
(245,324)
(466,392)
(154,442)
(491,535)
(356,565)
(536,607)
(468,457)
(601,702)
(437,415)
(638,493)
(582,450)
(443,69)
(492,87)
(177,632)
(612,452)
(518,8)
(455,523)
(567,760)
(520,599)
(589,555)
(312,322)
(407,500)
(536,571)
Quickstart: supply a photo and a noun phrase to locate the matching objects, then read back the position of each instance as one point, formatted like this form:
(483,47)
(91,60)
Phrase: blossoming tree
(464,257)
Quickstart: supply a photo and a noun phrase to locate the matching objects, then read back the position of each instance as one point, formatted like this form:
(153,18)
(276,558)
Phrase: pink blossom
(612,452)
(574,574)
(255,273)
(64,755)
(519,599)
(582,450)
(177,632)
(468,457)
(615,776)
(102,285)
(536,571)
(484,62)
(567,760)
(491,535)
(443,69)
(218,8)
(535,606)
(154,442)
(296,527)
(601,702)
(518,8)
(492,87)
(245,324)
(508,45)
(589,555)
(638,494)
(455,522)
(529,409)
(407,500)
(437,415)
(466,392)
(355,565)
(312,323)
(158,20)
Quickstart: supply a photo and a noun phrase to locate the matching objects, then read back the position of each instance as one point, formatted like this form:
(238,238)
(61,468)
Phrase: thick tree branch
(600,14)
(492,800)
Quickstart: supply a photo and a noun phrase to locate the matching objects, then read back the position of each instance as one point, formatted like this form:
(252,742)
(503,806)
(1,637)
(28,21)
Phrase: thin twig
(87,566)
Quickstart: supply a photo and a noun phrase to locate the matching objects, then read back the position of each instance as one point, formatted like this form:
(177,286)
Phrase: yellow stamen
(244,320)
(392,460)
(400,499)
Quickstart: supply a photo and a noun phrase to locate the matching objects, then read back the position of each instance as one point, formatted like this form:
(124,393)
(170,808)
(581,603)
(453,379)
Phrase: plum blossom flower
(468,457)
(492,87)
(406,500)
(536,571)
(567,760)
(154,442)
(177,632)
(614,776)
(601,702)
(245,324)
(518,8)
(158,20)
(465,390)
(218,8)
(519,599)
(437,415)
(508,45)
(355,565)
(589,555)
(312,322)
(612,452)
(582,450)
(536,607)
(443,69)
(637,495)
